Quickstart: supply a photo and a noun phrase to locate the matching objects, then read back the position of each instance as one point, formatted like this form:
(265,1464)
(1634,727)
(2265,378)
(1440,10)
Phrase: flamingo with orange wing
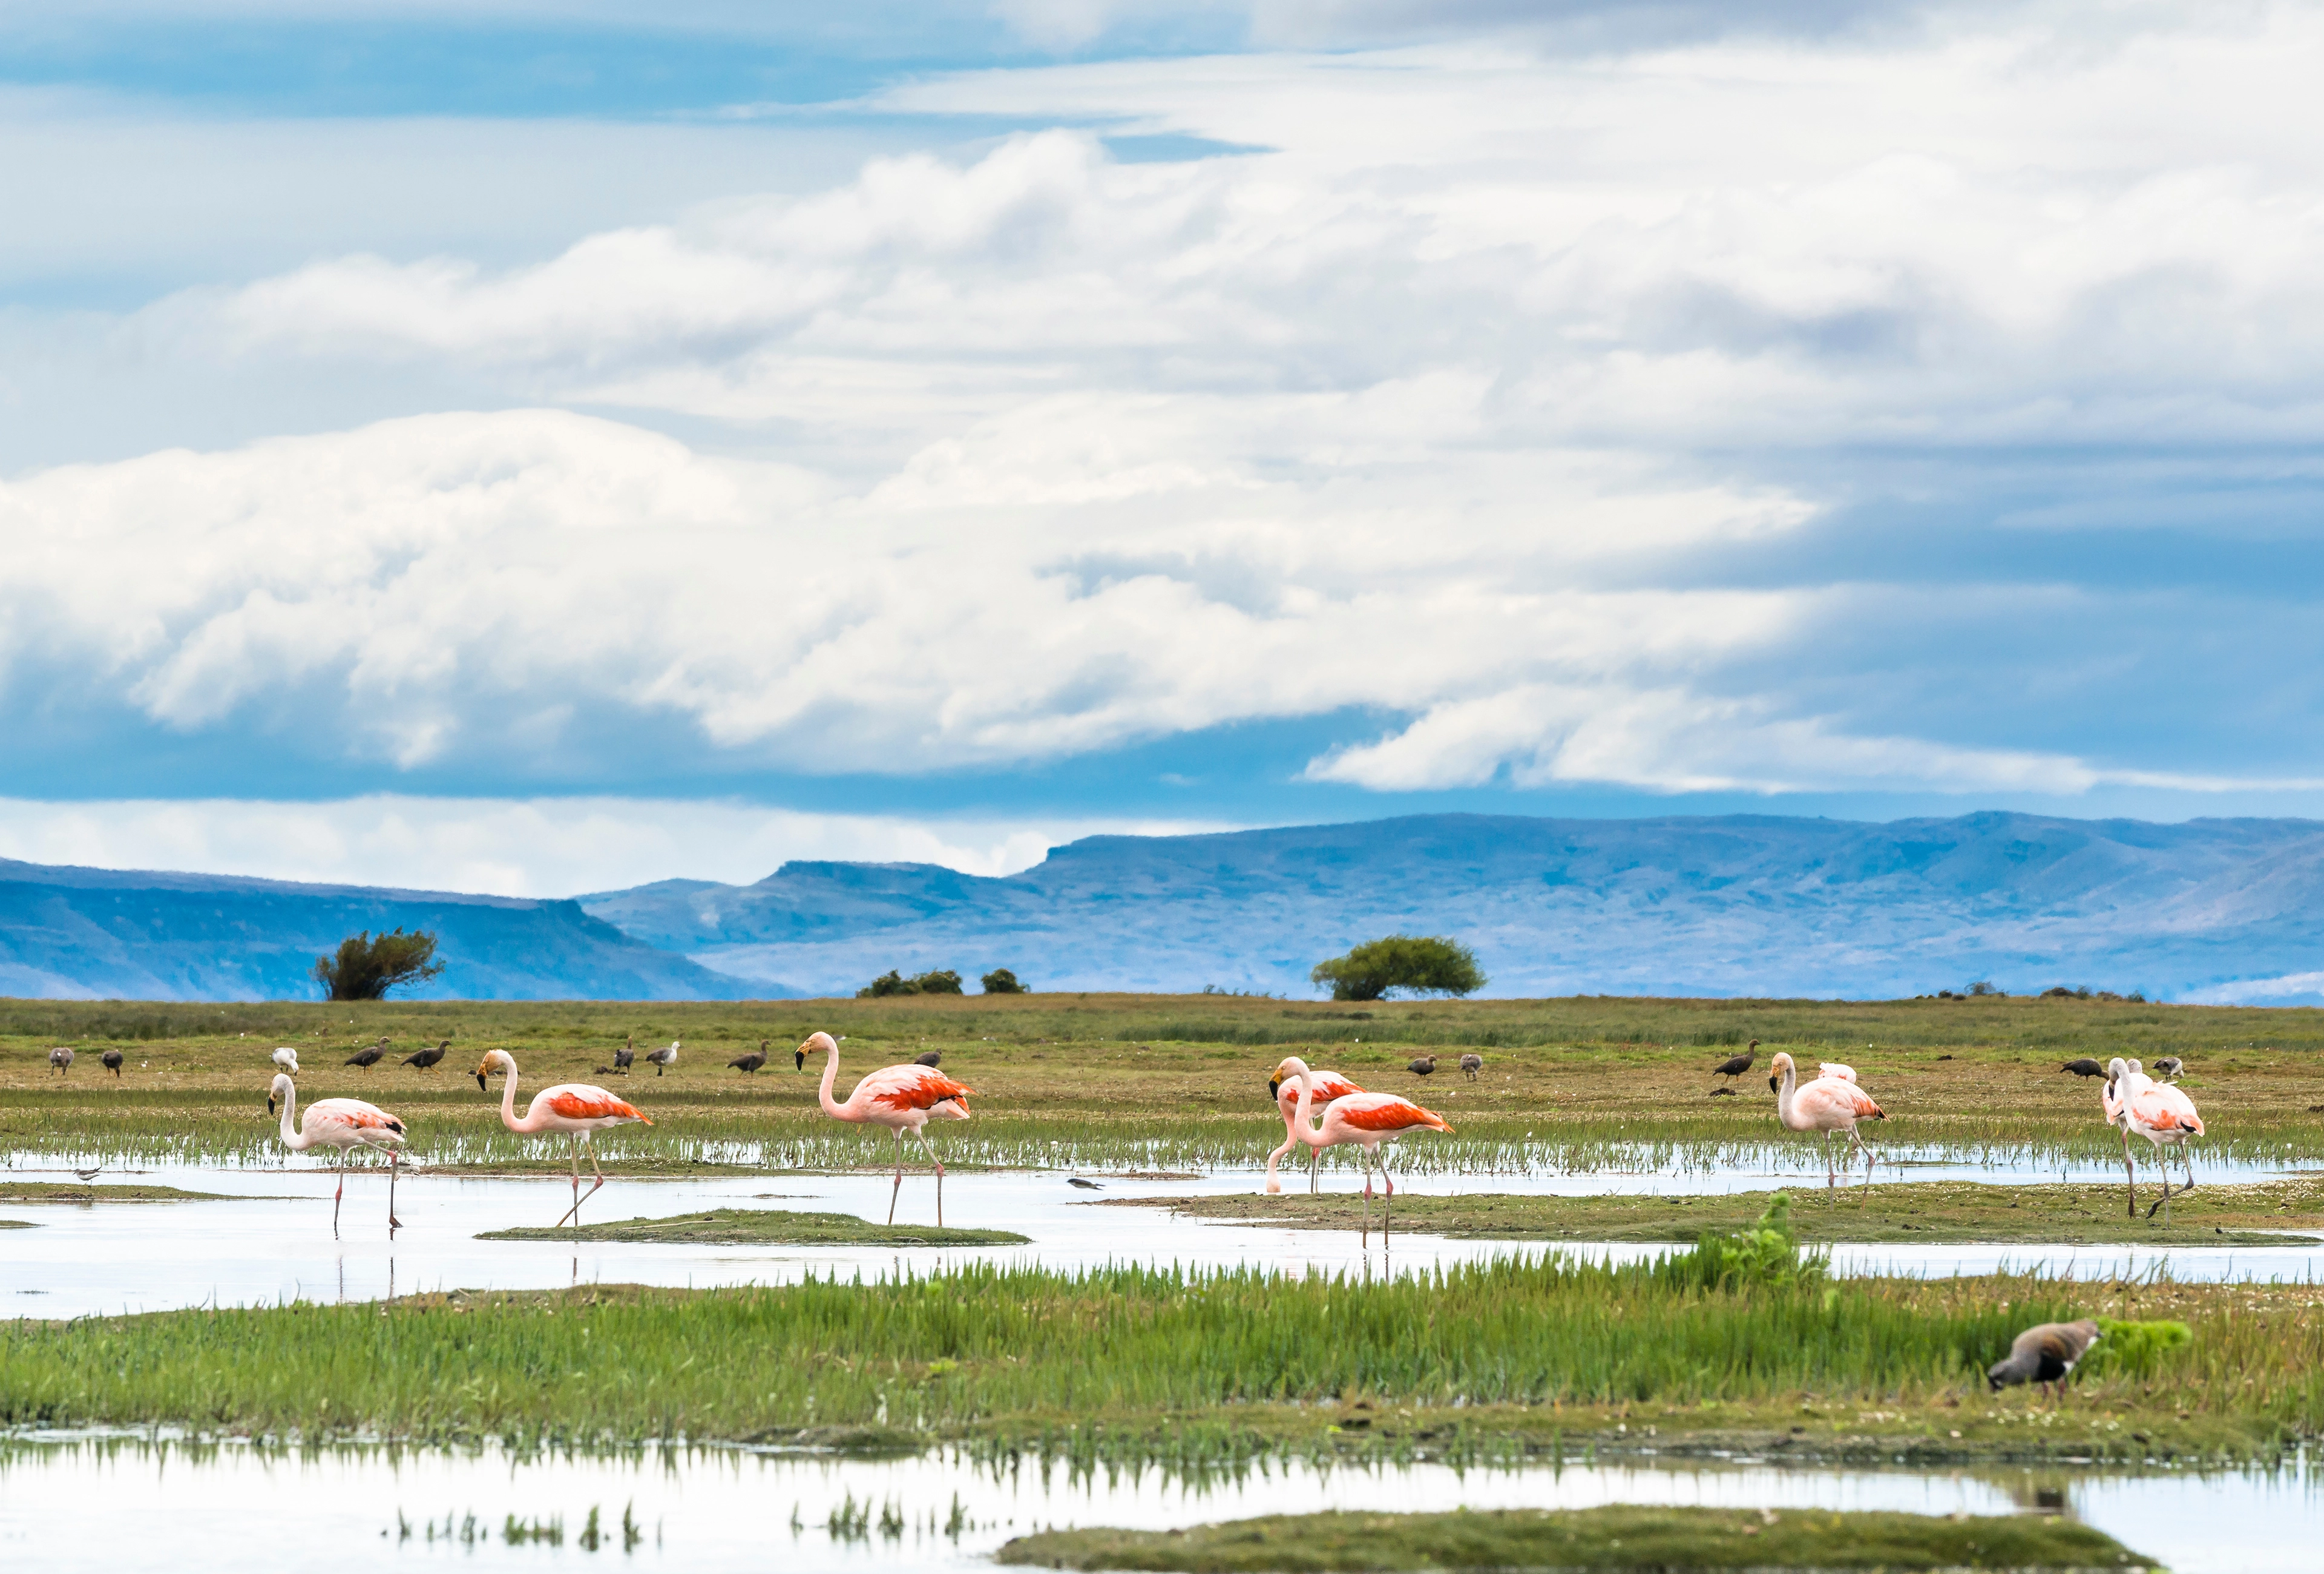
(1329,1086)
(576,1108)
(1368,1120)
(900,1098)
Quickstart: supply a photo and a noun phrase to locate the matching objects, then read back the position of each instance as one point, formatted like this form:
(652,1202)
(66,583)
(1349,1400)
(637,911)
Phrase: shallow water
(119,1504)
(272,1240)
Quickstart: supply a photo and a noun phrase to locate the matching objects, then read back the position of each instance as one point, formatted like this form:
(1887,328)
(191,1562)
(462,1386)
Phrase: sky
(543,446)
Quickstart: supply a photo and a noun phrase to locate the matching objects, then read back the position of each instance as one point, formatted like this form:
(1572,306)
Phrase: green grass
(1135,1362)
(24,1192)
(767,1227)
(1620,1537)
(1922,1212)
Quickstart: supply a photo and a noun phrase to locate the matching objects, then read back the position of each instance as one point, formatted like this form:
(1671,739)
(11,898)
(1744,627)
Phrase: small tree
(1423,964)
(365,968)
(942,981)
(1001,981)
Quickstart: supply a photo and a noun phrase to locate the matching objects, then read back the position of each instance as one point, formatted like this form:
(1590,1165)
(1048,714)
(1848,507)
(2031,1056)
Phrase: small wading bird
(61,1058)
(1423,1067)
(575,1109)
(111,1061)
(1734,1066)
(1365,1119)
(1832,1102)
(370,1055)
(286,1059)
(1472,1063)
(2045,1354)
(425,1058)
(2164,1116)
(664,1058)
(751,1062)
(2085,1067)
(345,1123)
(1329,1086)
(900,1098)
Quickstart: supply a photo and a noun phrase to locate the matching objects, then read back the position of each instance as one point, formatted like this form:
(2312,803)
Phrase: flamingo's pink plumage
(899,1097)
(1368,1120)
(1329,1086)
(578,1109)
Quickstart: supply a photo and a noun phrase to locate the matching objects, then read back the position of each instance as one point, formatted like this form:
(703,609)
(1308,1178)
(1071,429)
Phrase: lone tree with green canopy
(365,968)
(1422,964)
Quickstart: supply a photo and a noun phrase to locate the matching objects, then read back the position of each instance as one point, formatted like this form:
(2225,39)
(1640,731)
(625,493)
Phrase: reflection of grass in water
(1131,1363)
(1622,1536)
(765,1226)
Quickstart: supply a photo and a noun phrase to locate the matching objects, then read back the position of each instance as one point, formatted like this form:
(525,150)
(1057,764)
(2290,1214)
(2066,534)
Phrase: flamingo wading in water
(1832,1102)
(345,1123)
(576,1108)
(1329,1086)
(900,1098)
(1366,1120)
(2165,1116)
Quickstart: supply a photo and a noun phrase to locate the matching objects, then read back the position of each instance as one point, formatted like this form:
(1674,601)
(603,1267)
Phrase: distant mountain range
(69,933)
(1740,904)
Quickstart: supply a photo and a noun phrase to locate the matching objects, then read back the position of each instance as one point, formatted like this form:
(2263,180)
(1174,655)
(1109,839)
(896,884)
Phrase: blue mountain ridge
(1729,905)
(75,933)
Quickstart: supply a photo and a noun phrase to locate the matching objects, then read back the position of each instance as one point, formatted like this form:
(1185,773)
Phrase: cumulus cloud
(1486,395)
(546,847)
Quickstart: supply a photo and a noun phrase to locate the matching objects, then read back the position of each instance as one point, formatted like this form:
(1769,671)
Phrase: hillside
(2224,910)
(95,933)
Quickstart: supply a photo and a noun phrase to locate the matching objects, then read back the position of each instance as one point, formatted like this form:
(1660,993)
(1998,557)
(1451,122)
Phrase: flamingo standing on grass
(900,1098)
(1366,1120)
(2165,1116)
(1832,1102)
(1329,1086)
(576,1108)
(345,1123)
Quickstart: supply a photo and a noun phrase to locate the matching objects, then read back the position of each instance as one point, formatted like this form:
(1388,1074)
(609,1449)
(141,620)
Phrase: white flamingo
(576,1108)
(1329,1086)
(1832,1102)
(287,1059)
(345,1123)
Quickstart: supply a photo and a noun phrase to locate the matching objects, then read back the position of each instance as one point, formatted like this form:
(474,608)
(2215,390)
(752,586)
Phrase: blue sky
(539,446)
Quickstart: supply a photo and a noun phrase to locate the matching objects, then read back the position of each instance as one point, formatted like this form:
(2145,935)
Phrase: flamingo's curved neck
(1783,1097)
(291,1136)
(832,1107)
(1299,1127)
(508,1100)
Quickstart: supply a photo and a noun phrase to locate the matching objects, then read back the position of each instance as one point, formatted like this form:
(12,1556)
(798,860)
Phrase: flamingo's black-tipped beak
(1774,1083)
(482,1086)
(1275,1087)
(799,1059)
(270,1104)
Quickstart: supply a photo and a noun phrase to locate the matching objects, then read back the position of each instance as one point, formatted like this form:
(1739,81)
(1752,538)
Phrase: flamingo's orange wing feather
(591,1104)
(925,1091)
(1393,1114)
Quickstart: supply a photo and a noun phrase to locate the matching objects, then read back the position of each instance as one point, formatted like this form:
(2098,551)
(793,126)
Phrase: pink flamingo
(576,1108)
(1329,1086)
(1829,1104)
(1365,1119)
(2165,1116)
(900,1098)
(345,1123)
(2113,1093)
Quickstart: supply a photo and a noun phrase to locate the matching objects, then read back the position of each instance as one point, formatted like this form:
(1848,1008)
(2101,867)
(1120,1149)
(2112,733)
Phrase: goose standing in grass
(424,1060)
(345,1123)
(576,1108)
(1368,1120)
(285,1059)
(1734,1066)
(664,1058)
(928,1058)
(1329,1086)
(2045,1354)
(111,1060)
(1829,1104)
(623,1059)
(370,1055)
(2169,1068)
(2085,1067)
(900,1098)
(61,1058)
(751,1062)
(2165,1116)
(1423,1067)
(1472,1063)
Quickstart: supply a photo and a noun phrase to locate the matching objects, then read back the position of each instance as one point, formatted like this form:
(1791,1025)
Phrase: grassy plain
(1615,1538)
(1500,1358)
(765,1226)
(1922,1213)
(1133,1082)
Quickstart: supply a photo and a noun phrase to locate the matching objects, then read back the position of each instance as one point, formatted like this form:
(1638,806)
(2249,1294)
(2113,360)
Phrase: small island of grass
(24,1193)
(765,1226)
(1623,1536)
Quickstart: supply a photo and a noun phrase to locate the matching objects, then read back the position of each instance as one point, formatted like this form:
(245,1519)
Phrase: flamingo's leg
(1387,1206)
(898,1131)
(922,1134)
(392,1222)
(1368,1197)
(341,1192)
(1275,1159)
(2187,1158)
(1314,1171)
(2129,1175)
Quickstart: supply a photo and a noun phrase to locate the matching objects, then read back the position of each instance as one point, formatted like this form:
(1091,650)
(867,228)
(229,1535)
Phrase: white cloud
(542,847)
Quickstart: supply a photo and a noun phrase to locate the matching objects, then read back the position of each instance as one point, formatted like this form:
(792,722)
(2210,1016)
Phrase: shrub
(1001,981)
(1423,964)
(364,968)
(942,981)
(1766,1255)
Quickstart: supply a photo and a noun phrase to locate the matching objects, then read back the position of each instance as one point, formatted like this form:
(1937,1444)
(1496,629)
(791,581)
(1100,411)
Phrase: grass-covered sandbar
(765,1226)
(1513,1356)
(15,1193)
(1926,1212)
(1620,1537)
